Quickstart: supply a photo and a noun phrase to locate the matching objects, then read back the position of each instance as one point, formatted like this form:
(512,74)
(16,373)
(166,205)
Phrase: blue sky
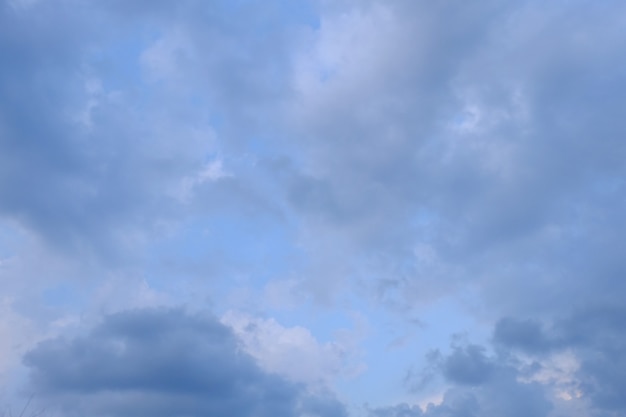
(346,208)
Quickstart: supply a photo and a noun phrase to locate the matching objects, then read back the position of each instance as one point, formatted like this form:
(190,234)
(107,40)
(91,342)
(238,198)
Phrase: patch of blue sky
(10,238)
(64,295)
(424,217)
(225,245)
(325,323)
(301,11)
(117,62)
(260,147)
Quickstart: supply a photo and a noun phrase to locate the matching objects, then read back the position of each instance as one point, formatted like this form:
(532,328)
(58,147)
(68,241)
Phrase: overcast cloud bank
(424,200)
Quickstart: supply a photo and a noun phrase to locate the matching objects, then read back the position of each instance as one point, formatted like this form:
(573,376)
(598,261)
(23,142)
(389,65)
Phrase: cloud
(358,152)
(114,127)
(17,334)
(570,366)
(99,160)
(480,385)
(592,338)
(492,138)
(162,362)
(526,335)
(79,146)
(292,352)
(451,138)
(467,366)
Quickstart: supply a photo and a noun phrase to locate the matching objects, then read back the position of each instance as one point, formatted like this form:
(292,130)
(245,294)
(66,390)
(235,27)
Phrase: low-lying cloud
(163,362)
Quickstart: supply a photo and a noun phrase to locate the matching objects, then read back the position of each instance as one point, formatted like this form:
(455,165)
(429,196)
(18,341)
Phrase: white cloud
(292,352)
(209,172)
(557,371)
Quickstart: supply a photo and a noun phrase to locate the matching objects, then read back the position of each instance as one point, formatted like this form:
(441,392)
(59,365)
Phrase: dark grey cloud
(526,335)
(162,362)
(506,397)
(573,365)
(480,385)
(595,335)
(468,365)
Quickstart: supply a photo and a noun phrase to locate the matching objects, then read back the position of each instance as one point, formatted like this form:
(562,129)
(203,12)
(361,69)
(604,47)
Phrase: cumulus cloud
(162,362)
(292,352)
(571,366)
(590,347)
(481,384)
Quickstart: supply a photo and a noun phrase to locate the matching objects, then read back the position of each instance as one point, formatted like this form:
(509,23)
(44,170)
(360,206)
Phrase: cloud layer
(295,163)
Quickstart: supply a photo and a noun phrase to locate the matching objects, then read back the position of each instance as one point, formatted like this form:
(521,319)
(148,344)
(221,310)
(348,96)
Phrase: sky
(312,208)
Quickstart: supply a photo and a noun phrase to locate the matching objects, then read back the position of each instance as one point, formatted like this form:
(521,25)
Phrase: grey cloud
(498,146)
(75,187)
(596,334)
(37,154)
(162,362)
(482,385)
(488,120)
(95,153)
(468,365)
(505,397)
(488,136)
(526,335)
(88,185)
